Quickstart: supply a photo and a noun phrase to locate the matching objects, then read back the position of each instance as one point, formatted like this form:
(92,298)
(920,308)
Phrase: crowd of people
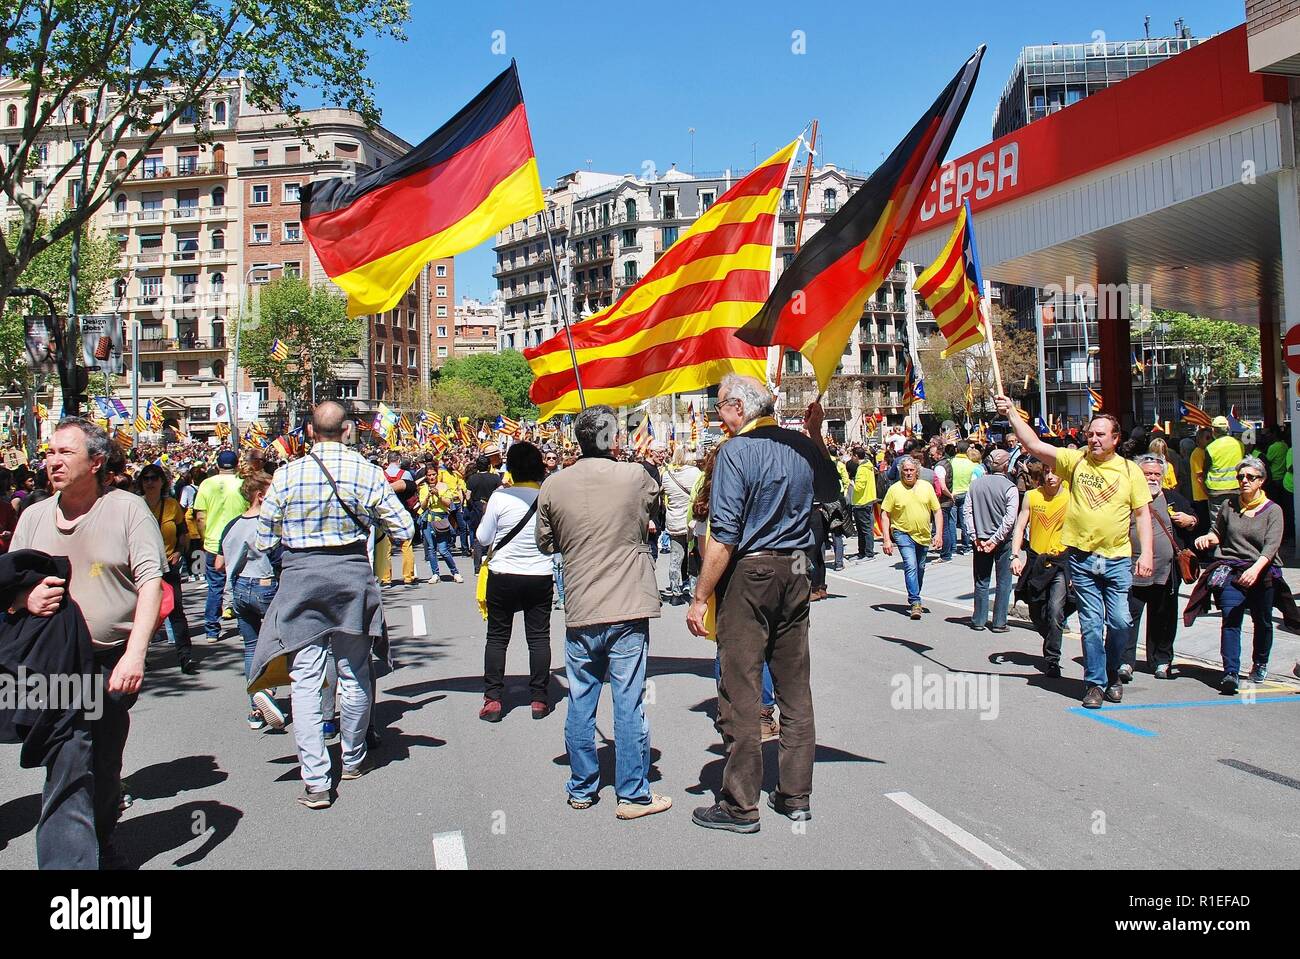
(299,553)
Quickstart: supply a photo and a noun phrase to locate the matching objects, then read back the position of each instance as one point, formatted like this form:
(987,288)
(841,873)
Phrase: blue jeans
(769,694)
(949,533)
(1235,602)
(464,530)
(985,564)
(1101,588)
(557,564)
(592,654)
(439,544)
(913,555)
(216,586)
(251,601)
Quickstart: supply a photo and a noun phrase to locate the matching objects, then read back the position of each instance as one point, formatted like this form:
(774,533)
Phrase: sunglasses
(1250,476)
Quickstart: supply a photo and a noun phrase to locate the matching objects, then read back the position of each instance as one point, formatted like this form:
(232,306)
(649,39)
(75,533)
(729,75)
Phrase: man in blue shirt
(760,527)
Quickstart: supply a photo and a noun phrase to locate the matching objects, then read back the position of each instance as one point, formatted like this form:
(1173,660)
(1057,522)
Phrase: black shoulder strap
(365,527)
(501,544)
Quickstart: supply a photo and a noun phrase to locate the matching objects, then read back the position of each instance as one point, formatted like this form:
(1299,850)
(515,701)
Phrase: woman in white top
(519,580)
(679,485)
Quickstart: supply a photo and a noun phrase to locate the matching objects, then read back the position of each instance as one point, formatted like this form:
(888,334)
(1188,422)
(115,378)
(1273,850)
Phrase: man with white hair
(909,511)
(765,479)
(992,504)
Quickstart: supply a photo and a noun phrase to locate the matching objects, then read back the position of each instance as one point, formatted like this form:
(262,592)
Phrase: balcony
(214,257)
(623,282)
(156,345)
(147,216)
(180,171)
(506,267)
(184,214)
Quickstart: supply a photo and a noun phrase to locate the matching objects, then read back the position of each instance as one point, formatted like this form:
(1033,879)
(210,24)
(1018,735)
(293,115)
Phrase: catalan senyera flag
(154,415)
(819,298)
(279,350)
(953,288)
(695,426)
(1190,413)
(674,331)
(473,176)
(140,425)
(404,425)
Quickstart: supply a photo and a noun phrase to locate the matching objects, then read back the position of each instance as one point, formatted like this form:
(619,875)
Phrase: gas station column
(1274,387)
(1288,195)
(1115,356)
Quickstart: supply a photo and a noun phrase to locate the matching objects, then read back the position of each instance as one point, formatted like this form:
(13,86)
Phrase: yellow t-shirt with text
(1103,497)
(1047,519)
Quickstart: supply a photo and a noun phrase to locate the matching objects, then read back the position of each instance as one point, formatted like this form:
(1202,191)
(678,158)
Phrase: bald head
(327,421)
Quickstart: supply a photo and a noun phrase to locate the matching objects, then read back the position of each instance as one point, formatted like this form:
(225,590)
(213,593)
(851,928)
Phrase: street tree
(455,398)
(946,379)
(506,373)
(113,76)
(49,271)
(1213,352)
(312,324)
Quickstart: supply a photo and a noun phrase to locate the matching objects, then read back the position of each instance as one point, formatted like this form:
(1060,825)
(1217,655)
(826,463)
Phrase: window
(442,331)
(291,193)
(187,161)
(262,157)
(218,343)
(218,197)
(293,232)
(668,236)
(187,284)
(707,197)
(292,155)
(629,238)
(790,233)
(397,356)
(629,210)
(189,114)
(293,268)
(411,358)
(218,239)
(261,233)
(629,271)
(441,291)
(11,116)
(670,206)
(442,352)
(830,201)
(119,203)
(442,312)
(793,362)
(119,288)
(187,245)
(381,388)
(410,320)
(151,371)
(440,269)
(261,193)
(345,151)
(218,283)
(187,367)
(345,389)
(379,352)
(219,112)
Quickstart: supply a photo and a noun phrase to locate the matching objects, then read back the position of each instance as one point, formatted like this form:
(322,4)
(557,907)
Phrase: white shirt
(505,508)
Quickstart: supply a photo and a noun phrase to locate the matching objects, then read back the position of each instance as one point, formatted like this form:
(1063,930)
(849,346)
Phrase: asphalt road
(1013,775)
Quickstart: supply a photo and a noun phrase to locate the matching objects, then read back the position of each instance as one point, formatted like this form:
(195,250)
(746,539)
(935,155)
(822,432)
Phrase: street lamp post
(230,407)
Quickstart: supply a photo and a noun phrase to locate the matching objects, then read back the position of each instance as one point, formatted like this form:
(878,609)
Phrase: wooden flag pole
(993,346)
(564,309)
(798,234)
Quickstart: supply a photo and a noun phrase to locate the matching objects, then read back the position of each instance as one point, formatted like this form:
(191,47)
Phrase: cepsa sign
(977,177)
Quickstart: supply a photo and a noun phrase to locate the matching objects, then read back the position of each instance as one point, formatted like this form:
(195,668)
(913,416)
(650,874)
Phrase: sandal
(580,803)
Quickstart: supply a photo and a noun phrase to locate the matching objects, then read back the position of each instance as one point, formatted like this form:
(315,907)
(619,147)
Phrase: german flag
(373,234)
(953,288)
(819,298)
(675,330)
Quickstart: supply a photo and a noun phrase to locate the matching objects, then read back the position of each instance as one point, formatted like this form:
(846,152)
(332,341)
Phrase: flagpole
(798,233)
(564,309)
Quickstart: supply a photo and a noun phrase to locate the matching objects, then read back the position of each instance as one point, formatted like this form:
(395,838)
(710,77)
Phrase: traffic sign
(1291,349)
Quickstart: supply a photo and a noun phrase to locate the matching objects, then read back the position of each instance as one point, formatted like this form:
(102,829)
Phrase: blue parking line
(1103,716)
(1099,717)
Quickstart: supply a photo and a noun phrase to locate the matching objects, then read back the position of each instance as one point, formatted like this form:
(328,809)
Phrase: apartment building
(198,223)
(476,326)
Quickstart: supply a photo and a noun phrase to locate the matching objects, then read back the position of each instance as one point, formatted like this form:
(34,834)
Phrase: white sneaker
(458,578)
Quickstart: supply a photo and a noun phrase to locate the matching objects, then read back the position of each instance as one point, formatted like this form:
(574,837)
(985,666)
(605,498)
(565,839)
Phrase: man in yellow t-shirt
(1198,464)
(1043,582)
(906,515)
(1106,492)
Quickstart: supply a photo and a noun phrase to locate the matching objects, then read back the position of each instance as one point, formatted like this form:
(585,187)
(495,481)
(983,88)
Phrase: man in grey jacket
(992,504)
(596,513)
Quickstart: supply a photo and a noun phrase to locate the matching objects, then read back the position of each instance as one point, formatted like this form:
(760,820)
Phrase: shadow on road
(1062,686)
(605,757)
(18,817)
(711,774)
(142,838)
(164,780)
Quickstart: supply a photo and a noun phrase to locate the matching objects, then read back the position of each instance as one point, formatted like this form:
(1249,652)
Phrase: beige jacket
(596,513)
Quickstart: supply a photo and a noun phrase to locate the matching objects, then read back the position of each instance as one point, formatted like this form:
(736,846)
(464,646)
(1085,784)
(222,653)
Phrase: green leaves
(1212,351)
(506,373)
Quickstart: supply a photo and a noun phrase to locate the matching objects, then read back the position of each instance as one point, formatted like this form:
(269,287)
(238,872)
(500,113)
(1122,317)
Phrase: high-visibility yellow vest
(1224,455)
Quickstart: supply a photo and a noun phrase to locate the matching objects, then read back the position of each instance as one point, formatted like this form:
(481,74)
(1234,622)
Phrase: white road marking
(973,845)
(449,851)
(901,592)
(417,620)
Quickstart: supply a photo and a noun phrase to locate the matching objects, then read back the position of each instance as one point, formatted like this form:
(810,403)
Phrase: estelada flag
(1191,413)
(674,331)
(953,288)
(476,174)
(819,298)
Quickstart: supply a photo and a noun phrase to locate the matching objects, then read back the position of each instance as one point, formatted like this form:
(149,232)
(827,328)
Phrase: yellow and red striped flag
(674,331)
(953,288)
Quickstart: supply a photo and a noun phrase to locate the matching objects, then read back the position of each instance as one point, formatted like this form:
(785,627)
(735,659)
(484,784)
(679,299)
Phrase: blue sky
(618,84)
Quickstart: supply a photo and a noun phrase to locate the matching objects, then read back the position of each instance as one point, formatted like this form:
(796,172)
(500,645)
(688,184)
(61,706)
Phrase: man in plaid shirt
(327,601)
